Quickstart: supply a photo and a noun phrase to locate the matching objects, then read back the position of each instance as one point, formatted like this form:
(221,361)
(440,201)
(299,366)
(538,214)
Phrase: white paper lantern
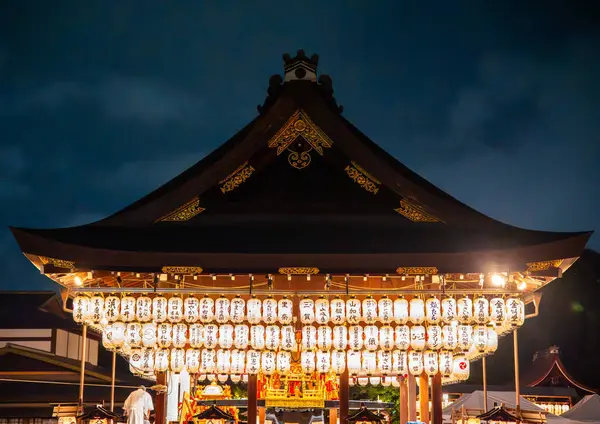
(107,337)
(135,360)
(80,308)
(191,309)
(241,336)
(307,362)
(175,309)
(450,336)
(159,309)
(369,362)
(164,335)
(415,362)
(386,381)
(395,382)
(323,361)
(285,311)
(253,361)
(223,361)
(324,335)
(161,360)
(177,360)
(272,337)
(446,363)
(125,349)
(322,311)
(433,310)
(149,335)
(434,337)
(371,337)
(492,340)
(192,360)
(238,361)
(309,337)
(369,306)
(222,310)
(401,310)
(464,308)
(112,308)
(497,310)
(515,312)
(400,362)
(226,336)
(338,361)
(384,362)
(465,337)
(417,337)
(386,310)
(257,337)
(288,338)
(196,335)
(270,311)
(417,310)
(207,309)
(340,337)
(480,336)
(449,311)
(235,378)
(354,361)
(353,308)
(284,362)
(355,337)
(222,378)
(211,336)
(254,307)
(402,337)
(179,335)
(96,310)
(338,311)
(481,310)
(430,362)
(133,334)
(238,310)
(307,311)
(207,361)
(362,381)
(147,361)
(461,369)
(386,337)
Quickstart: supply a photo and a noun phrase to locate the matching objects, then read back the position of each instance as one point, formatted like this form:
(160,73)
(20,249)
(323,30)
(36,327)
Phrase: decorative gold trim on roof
(300,125)
(415,213)
(184,212)
(417,270)
(236,178)
(181,269)
(543,266)
(363,178)
(59,263)
(298,270)
(293,403)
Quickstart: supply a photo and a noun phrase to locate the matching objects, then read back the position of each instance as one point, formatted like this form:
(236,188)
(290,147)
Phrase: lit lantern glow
(161,360)
(143,309)
(338,311)
(386,310)
(164,335)
(450,336)
(369,362)
(434,337)
(417,337)
(238,306)
(481,310)
(386,337)
(498,310)
(417,310)
(307,361)
(465,337)
(461,367)
(284,362)
(307,311)
(492,340)
(222,378)
(386,381)
(340,337)
(288,338)
(226,336)
(323,361)
(257,337)
(338,361)
(270,312)
(80,308)
(400,362)
(96,309)
(369,306)
(384,362)
(107,337)
(433,310)
(371,337)
(235,378)
(112,308)
(135,360)
(480,335)
(374,381)
(179,335)
(210,336)
(449,310)
(149,335)
(238,360)
(223,361)
(285,311)
(324,337)
(353,361)
(272,337)
(207,309)
(192,360)
(133,334)
(254,307)
(222,310)
(159,309)
(515,312)
(401,310)
(322,311)
(177,360)
(402,337)
(147,361)
(175,309)
(207,361)
(309,337)
(395,382)
(196,335)
(353,315)
(241,336)
(191,309)
(363,381)
(415,362)
(355,337)
(430,362)
(253,362)
(465,310)
(446,363)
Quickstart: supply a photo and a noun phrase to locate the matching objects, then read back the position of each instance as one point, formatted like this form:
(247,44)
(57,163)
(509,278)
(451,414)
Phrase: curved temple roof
(300,185)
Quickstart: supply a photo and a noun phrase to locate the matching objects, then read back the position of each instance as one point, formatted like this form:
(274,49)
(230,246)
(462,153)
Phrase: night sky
(101,102)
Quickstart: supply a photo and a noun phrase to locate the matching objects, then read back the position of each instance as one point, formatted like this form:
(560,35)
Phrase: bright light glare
(498,280)
(522,285)
(78,281)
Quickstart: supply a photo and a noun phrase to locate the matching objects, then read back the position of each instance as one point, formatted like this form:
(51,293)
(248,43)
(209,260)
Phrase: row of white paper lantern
(272,337)
(223,361)
(97,309)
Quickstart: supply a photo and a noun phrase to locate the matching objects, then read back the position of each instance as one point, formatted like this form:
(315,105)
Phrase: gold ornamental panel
(184,212)
(59,263)
(237,178)
(417,270)
(298,270)
(543,266)
(362,178)
(181,270)
(415,213)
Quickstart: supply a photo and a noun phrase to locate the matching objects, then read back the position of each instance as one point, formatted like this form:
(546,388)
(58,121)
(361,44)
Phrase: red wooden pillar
(436,399)
(412,397)
(344,397)
(252,392)
(403,400)
(160,410)
(424,398)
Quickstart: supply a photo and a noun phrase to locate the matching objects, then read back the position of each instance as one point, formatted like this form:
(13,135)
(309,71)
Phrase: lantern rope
(64,383)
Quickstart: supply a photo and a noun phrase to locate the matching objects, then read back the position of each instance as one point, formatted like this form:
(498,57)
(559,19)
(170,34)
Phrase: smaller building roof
(364,414)
(98,413)
(214,413)
(498,413)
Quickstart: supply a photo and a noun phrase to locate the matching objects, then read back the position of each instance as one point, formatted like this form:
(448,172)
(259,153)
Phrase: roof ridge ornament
(300,67)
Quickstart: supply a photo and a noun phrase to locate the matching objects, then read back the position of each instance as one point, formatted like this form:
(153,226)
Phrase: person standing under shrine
(138,406)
